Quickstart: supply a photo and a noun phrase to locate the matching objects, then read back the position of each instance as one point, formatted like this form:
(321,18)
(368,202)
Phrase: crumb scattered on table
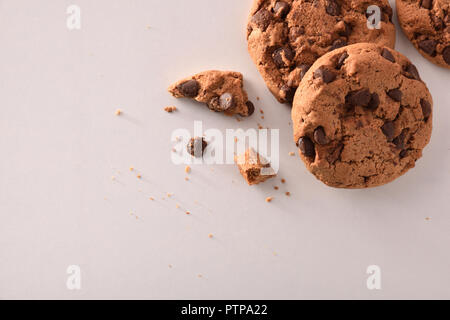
(170,109)
(269,199)
(283,181)
(118,112)
(288,194)
(276,187)
(187,169)
(292,154)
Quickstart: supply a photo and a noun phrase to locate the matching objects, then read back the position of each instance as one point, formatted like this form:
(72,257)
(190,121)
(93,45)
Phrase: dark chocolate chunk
(281,9)
(426,109)
(374,102)
(189,88)
(282,57)
(400,140)
(411,72)
(341,60)
(262,19)
(326,75)
(388,129)
(428,46)
(426,4)
(347,30)
(250,107)
(395,95)
(307,147)
(387,55)
(359,98)
(320,136)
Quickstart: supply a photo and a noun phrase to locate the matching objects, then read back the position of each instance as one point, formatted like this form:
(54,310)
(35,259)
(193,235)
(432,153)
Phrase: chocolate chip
(283,57)
(196,147)
(296,32)
(226,101)
(395,95)
(303,70)
(189,88)
(341,60)
(387,55)
(403,153)
(326,75)
(400,140)
(333,8)
(281,9)
(374,102)
(288,93)
(250,107)
(446,55)
(339,43)
(411,72)
(359,98)
(426,4)
(262,19)
(426,109)
(428,46)
(320,136)
(388,129)
(307,147)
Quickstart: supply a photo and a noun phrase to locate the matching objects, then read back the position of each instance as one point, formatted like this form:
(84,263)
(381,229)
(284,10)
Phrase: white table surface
(61,144)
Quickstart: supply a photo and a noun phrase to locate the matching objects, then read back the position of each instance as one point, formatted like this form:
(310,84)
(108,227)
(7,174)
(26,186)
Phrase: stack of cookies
(361,113)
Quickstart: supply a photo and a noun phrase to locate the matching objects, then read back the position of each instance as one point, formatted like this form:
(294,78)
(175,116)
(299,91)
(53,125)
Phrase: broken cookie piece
(221,91)
(254,167)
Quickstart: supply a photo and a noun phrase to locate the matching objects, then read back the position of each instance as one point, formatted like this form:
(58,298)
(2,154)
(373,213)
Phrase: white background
(61,144)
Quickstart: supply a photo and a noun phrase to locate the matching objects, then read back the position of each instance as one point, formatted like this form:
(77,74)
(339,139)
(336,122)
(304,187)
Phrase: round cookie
(426,23)
(286,37)
(361,116)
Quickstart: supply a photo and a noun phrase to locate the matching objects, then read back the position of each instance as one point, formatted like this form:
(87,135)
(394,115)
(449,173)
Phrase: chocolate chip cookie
(362,116)
(286,37)
(427,25)
(221,91)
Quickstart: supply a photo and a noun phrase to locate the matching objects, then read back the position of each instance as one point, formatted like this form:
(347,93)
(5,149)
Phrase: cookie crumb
(187,169)
(210,236)
(292,154)
(276,187)
(169,195)
(428,219)
(118,112)
(288,194)
(188,212)
(186,178)
(177,206)
(131,169)
(139,176)
(269,199)
(257,99)
(283,181)
(170,109)
(151,198)
(261,110)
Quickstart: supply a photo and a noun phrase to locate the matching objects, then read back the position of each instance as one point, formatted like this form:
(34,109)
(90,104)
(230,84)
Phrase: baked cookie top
(361,116)
(221,91)
(427,25)
(286,37)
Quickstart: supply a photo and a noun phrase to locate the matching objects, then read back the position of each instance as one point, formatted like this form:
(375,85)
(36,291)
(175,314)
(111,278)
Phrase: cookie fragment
(220,91)
(253,167)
